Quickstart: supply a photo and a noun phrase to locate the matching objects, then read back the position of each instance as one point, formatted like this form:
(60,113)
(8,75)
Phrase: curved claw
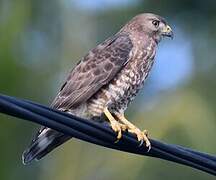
(141,143)
(141,137)
(149,147)
(119,134)
(117,128)
(147,142)
(115,125)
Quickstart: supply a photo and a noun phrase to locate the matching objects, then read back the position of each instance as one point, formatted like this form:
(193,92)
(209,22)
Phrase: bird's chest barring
(121,90)
(124,88)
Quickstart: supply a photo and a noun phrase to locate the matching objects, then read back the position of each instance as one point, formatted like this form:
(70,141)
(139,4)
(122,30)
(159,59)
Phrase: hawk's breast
(123,88)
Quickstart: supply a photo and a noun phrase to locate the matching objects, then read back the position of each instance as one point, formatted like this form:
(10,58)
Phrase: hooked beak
(167,31)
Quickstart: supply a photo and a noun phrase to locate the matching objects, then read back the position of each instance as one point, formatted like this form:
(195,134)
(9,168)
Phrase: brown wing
(96,69)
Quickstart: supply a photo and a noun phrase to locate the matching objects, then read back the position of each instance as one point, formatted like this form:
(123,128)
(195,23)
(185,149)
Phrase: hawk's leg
(141,136)
(115,125)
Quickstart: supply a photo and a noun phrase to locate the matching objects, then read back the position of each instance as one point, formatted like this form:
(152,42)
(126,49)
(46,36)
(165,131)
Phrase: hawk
(105,81)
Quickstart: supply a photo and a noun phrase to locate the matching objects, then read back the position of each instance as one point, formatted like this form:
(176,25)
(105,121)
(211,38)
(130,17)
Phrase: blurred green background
(40,41)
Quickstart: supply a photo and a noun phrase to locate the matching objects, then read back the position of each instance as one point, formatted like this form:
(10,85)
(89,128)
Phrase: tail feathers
(43,144)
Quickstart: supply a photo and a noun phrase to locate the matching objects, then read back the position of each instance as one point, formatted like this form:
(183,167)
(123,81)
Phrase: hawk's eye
(156,23)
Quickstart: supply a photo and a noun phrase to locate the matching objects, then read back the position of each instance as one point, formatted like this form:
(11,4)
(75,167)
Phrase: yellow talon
(115,125)
(124,125)
(141,136)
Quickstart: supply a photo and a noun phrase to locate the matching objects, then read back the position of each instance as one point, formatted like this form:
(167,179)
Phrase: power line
(102,134)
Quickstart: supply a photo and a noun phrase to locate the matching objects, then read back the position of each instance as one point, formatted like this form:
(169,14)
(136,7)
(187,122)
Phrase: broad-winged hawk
(106,80)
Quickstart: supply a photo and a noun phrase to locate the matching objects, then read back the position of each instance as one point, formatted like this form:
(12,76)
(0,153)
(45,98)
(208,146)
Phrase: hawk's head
(152,25)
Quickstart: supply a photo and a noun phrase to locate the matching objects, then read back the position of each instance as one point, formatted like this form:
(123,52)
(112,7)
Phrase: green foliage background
(41,40)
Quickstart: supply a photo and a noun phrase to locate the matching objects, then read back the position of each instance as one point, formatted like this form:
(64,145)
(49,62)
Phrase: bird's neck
(144,52)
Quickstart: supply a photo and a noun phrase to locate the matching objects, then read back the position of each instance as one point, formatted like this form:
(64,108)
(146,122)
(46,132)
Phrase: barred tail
(45,142)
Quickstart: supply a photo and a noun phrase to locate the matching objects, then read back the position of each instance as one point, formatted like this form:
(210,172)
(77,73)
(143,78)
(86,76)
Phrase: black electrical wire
(102,134)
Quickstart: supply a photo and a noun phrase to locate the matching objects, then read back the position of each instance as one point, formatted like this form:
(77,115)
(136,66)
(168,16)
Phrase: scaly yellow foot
(141,136)
(115,125)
